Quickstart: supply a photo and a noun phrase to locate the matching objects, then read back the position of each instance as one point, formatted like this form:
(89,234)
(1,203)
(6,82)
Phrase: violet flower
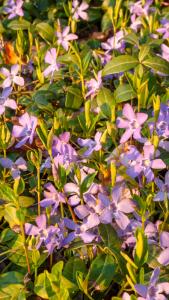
(52,198)
(80,231)
(14,8)
(94,85)
(138,10)
(50,58)
(62,146)
(78,10)
(144,164)
(165,29)
(26,130)
(163,192)
(116,42)
(163,258)
(132,123)
(15,167)
(46,234)
(12,77)
(154,290)
(5,101)
(165,52)
(65,37)
(92,145)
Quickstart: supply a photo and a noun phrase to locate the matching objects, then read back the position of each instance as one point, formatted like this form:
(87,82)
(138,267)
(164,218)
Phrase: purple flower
(165,29)
(52,198)
(114,42)
(64,37)
(94,85)
(19,164)
(5,101)
(165,52)
(132,123)
(162,125)
(138,10)
(50,58)
(153,290)
(26,130)
(135,23)
(46,235)
(144,163)
(92,145)
(46,165)
(11,77)
(78,10)
(62,146)
(14,8)
(163,258)
(80,231)
(163,193)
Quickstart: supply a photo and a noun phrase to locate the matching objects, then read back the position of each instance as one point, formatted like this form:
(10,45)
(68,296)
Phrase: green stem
(25,247)
(38,189)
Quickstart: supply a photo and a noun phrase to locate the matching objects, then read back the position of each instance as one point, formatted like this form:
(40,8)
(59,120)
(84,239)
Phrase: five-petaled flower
(15,167)
(11,77)
(5,101)
(78,10)
(64,37)
(14,8)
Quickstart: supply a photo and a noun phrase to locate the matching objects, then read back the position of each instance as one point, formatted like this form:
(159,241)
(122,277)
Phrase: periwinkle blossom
(164,30)
(52,198)
(15,167)
(64,37)
(14,8)
(25,130)
(46,235)
(165,52)
(138,9)
(61,145)
(78,10)
(93,85)
(154,290)
(116,42)
(102,210)
(12,77)
(131,122)
(163,258)
(163,192)
(92,145)
(5,101)
(144,163)
(78,231)
(51,59)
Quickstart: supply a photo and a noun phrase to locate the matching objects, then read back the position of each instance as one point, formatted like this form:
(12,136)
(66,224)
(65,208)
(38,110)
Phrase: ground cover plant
(84,149)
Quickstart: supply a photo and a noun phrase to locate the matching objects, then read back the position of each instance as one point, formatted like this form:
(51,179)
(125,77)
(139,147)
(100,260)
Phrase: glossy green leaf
(119,64)
(158,64)
(45,31)
(20,24)
(124,93)
(71,268)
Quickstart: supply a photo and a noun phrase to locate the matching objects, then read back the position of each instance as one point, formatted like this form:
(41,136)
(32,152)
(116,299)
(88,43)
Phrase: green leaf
(141,249)
(73,98)
(45,31)
(71,268)
(105,99)
(144,51)
(131,38)
(124,93)
(25,201)
(42,132)
(87,182)
(6,193)
(19,24)
(119,64)
(157,64)
(11,277)
(42,98)
(102,271)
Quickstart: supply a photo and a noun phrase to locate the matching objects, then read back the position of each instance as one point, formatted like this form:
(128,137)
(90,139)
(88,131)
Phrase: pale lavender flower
(26,130)
(163,258)
(163,192)
(139,10)
(5,101)
(80,231)
(46,165)
(165,29)
(144,163)
(92,145)
(116,42)
(65,37)
(132,123)
(61,145)
(50,58)
(52,198)
(14,8)
(165,52)
(94,85)
(154,290)
(78,10)
(135,23)
(12,77)
(46,235)
(15,167)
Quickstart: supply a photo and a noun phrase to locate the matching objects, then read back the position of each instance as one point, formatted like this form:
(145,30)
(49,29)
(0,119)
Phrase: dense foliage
(84,149)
